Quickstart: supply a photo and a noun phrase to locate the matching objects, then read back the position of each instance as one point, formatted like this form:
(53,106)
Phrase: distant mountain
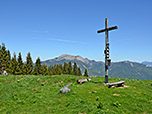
(124,69)
(133,70)
(148,64)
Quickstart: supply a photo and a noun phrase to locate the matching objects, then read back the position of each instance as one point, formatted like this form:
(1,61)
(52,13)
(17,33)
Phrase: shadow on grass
(97,82)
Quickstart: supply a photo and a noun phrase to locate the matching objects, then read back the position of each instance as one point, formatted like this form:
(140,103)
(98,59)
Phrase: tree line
(15,65)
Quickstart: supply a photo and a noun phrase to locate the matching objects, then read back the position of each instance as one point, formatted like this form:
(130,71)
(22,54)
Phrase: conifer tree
(65,68)
(20,65)
(60,69)
(17,70)
(4,57)
(70,68)
(25,69)
(57,69)
(54,70)
(50,70)
(75,69)
(13,65)
(50,73)
(9,55)
(0,60)
(8,60)
(37,67)
(86,73)
(28,67)
(44,69)
(79,72)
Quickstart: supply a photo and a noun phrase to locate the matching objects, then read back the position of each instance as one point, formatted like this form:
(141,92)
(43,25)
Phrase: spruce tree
(86,73)
(25,69)
(69,68)
(60,69)
(79,72)
(20,64)
(75,69)
(37,67)
(0,60)
(13,65)
(17,71)
(28,67)
(54,70)
(4,57)
(57,69)
(8,60)
(44,69)
(50,70)
(65,68)
(9,55)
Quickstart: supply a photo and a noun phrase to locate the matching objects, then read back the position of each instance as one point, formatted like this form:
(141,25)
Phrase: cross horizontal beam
(108,29)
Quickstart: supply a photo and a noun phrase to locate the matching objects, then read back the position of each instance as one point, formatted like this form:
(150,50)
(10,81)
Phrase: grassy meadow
(41,95)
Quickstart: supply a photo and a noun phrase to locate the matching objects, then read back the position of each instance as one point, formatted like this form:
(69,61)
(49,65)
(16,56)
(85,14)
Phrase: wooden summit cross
(106,51)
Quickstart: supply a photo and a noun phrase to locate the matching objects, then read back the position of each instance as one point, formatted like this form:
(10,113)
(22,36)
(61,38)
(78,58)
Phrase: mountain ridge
(147,63)
(122,69)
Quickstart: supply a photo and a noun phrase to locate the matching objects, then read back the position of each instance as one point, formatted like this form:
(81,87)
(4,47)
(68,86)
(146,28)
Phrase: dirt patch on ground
(124,86)
(39,80)
(116,94)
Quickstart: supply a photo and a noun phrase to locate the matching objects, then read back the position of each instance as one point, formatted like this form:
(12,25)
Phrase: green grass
(41,95)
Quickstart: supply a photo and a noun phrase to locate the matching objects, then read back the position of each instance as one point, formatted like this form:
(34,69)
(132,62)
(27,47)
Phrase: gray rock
(65,89)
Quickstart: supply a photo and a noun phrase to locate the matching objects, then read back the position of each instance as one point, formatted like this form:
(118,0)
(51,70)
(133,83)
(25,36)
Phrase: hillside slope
(124,69)
(148,64)
(40,95)
(131,70)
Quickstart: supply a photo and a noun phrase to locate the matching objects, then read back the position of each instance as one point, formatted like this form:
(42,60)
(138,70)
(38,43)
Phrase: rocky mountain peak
(71,57)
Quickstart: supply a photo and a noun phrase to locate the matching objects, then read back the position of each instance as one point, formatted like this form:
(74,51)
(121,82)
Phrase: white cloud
(67,41)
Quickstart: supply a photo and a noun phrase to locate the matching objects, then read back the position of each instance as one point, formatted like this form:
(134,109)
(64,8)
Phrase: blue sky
(50,28)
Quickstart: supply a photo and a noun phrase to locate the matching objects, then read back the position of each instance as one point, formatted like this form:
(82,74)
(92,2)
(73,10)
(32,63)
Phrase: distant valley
(123,69)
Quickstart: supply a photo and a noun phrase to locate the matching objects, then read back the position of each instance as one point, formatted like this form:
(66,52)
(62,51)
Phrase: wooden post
(107,60)
(106,42)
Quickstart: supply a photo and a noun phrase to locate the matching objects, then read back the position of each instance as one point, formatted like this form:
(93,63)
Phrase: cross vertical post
(106,51)
(106,44)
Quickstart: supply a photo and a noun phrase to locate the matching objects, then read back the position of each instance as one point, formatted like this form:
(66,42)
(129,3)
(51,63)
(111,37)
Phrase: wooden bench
(116,84)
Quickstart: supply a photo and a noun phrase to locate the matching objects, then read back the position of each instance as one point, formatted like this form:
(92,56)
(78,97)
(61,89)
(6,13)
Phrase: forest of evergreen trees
(15,65)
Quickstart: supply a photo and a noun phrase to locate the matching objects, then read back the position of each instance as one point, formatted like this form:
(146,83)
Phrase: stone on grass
(65,89)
